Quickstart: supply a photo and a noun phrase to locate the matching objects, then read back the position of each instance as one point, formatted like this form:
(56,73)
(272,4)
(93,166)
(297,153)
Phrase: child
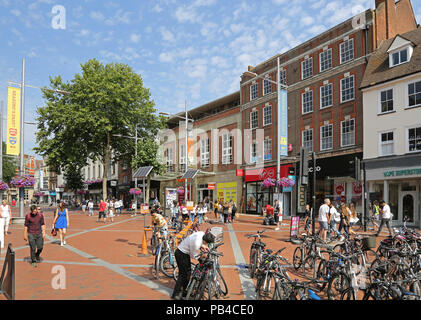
(111,212)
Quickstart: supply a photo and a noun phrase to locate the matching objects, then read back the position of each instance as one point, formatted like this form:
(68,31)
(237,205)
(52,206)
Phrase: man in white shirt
(323,219)
(386,218)
(91,207)
(188,249)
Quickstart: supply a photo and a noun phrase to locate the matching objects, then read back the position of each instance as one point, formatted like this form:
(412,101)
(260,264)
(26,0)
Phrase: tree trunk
(148,189)
(107,159)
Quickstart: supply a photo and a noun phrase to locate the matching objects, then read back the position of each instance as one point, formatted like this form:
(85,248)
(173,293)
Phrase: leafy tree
(104,105)
(9,166)
(74,179)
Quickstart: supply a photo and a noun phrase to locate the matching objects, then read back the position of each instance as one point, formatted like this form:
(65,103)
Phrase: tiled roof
(378,70)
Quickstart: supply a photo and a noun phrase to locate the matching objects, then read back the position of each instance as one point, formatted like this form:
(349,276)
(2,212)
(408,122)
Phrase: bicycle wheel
(321,274)
(370,256)
(297,258)
(192,290)
(266,286)
(157,261)
(253,262)
(281,291)
(348,294)
(309,267)
(206,290)
(166,266)
(222,285)
(154,244)
(337,285)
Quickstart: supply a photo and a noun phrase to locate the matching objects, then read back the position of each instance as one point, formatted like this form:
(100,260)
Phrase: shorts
(276,217)
(323,225)
(101,214)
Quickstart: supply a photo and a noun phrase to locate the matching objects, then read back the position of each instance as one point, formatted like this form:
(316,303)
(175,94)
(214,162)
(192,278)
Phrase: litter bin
(368,242)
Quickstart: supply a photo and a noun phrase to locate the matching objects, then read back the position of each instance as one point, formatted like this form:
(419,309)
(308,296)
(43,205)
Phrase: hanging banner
(13,121)
(283,122)
(356,189)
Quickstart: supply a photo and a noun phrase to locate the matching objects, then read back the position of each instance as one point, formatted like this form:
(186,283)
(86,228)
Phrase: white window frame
(408,51)
(407,138)
(254,150)
(321,101)
(327,52)
(302,68)
(251,119)
(283,77)
(169,159)
(380,100)
(267,84)
(302,101)
(227,149)
(321,138)
(254,85)
(353,133)
(264,115)
(267,146)
(407,94)
(205,153)
(341,47)
(353,89)
(312,139)
(381,144)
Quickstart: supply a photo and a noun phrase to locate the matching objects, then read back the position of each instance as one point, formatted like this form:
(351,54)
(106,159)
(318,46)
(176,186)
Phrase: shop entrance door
(408,206)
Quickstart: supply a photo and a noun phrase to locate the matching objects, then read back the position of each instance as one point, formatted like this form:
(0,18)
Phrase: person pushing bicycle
(160,222)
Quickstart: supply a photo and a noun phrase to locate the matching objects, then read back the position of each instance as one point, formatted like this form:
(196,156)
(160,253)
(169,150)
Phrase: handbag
(54,232)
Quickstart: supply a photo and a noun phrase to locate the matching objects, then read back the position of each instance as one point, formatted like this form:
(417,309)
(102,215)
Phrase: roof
(378,70)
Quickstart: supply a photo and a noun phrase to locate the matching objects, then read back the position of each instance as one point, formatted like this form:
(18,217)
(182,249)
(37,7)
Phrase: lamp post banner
(283,123)
(13,121)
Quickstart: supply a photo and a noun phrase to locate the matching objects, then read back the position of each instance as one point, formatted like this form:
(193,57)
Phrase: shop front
(397,181)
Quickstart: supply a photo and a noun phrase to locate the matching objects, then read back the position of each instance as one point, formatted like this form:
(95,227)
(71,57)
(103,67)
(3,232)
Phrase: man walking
(386,217)
(102,208)
(323,219)
(34,231)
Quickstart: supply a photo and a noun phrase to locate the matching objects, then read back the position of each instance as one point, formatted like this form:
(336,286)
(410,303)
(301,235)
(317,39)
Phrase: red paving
(101,260)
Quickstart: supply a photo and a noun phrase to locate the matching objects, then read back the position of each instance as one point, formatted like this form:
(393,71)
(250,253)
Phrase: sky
(190,50)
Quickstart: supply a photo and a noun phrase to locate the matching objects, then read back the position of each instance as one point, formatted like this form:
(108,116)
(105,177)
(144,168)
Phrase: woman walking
(6,213)
(234,211)
(61,222)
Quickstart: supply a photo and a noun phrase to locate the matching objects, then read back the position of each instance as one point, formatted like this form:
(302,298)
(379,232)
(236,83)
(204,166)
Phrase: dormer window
(400,51)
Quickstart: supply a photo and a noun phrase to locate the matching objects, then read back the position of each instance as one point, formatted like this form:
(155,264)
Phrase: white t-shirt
(386,212)
(192,244)
(335,215)
(323,212)
(90,205)
(5,211)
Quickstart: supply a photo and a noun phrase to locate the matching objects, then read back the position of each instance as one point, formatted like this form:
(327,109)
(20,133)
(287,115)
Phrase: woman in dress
(61,222)
(6,213)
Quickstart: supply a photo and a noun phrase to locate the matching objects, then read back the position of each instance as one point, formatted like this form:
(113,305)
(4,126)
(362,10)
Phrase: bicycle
(256,250)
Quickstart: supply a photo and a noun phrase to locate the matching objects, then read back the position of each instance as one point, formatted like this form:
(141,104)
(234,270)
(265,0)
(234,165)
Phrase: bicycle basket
(218,232)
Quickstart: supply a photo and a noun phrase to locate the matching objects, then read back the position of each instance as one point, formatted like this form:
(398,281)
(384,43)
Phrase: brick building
(325,104)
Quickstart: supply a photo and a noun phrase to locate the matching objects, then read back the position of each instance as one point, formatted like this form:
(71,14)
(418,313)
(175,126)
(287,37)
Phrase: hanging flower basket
(285,182)
(81,192)
(22,181)
(91,182)
(135,191)
(267,183)
(4,186)
(180,190)
(38,194)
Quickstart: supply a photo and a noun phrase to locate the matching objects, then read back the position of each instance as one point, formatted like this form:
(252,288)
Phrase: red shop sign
(265,173)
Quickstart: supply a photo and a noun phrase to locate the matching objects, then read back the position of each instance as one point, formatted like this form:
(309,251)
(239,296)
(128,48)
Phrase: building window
(267,149)
(414,94)
(254,119)
(386,101)
(283,77)
(386,144)
(308,139)
(307,98)
(254,91)
(124,165)
(325,60)
(347,51)
(124,179)
(253,153)
(227,148)
(348,133)
(326,137)
(267,86)
(399,57)
(89,173)
(306,68)
(326,96)
(169,160)
(204,153)
(347,89)
(267,115)
(414,139)
(183,158)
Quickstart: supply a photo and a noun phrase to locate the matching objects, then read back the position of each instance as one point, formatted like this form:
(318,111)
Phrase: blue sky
(194,50)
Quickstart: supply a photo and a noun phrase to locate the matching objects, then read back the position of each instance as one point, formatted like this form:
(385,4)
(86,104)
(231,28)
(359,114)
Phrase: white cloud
(16,12)
(166,57)
(157,8)
(96,15)
(167,35)
(134,38)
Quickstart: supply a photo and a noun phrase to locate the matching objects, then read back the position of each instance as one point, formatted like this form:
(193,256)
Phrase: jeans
(200,216)
(184,271)
(36,242)
(383,222)
(333,228)
(342,225)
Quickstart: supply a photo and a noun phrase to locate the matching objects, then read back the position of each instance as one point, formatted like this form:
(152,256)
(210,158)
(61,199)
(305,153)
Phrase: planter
(22,181)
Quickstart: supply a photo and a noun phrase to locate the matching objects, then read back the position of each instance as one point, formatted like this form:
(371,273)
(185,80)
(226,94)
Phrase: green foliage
(9,166)
(105,101)
(74,179)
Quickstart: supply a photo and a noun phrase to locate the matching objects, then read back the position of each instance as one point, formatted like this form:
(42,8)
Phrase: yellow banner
(13,121)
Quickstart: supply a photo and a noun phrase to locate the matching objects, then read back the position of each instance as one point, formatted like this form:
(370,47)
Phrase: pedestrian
(62,222)
(334,219)
(386,218)
(83,206)
(111,211)
(188,249)
(192,212)
(200,211)
(175,212)
(345,217)
(323,219)
(234,211)
(34,233)
(354,216)
(215,211)
(134,209)
(91,208)
(307,218)
(13,202)
(184,212)
(102,208)
(277,212)
(6,214)
(376,213)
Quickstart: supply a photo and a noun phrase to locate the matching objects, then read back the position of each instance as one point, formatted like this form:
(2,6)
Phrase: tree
(9,166)
(104,105)
(74,179)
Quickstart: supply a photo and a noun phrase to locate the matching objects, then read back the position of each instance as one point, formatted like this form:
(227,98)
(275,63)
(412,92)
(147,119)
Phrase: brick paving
(101,261)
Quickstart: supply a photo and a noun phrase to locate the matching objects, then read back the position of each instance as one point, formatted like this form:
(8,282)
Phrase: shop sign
(265,173)
(211,187)
(399,173)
